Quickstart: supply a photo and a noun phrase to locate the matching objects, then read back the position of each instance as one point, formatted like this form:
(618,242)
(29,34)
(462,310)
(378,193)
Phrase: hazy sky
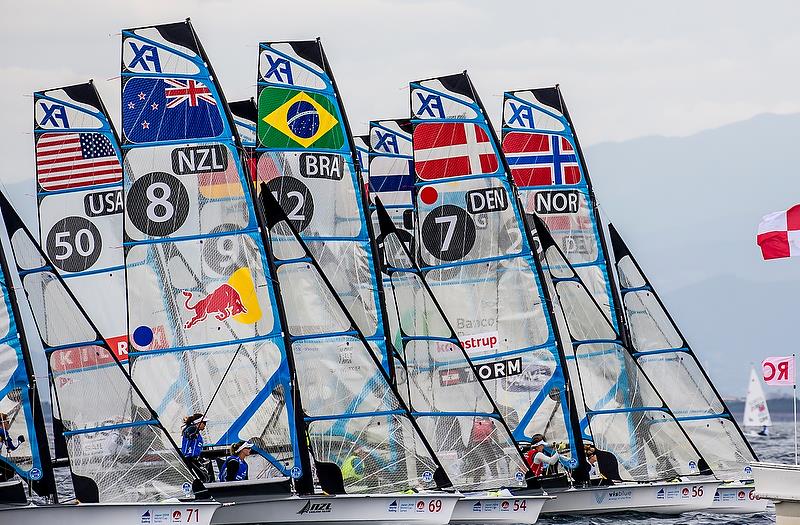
(627,68)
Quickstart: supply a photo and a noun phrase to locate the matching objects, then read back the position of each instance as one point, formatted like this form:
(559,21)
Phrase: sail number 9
(74,244)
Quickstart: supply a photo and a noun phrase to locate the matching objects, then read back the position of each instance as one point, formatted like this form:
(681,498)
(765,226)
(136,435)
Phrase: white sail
(756,413)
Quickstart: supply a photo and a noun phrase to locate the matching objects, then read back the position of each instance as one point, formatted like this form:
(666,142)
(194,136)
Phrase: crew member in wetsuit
(6,471)
(538,460)
(192,443)
(235,467)
(606,464)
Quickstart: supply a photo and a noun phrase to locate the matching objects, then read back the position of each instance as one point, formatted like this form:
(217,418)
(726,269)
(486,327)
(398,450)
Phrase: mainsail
(205,332)
(547,166)
(441,385)
(118,451)
(20,404)
(353,415)
(756,412)
(306,157)
(672,366)
(79,189)
(477,260)
(361,143)
(624,413)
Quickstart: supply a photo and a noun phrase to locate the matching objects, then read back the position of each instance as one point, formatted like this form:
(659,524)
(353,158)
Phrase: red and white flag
(452,149)
(779,371)
(779,234)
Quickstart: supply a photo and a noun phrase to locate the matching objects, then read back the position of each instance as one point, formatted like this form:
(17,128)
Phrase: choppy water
(779,447)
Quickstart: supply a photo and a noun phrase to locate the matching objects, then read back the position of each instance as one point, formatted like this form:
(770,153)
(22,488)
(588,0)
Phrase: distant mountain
(688,208)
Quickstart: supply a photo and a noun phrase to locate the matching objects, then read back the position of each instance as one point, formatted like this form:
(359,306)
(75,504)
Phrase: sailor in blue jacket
(235,467)
(192,439)
(5,437)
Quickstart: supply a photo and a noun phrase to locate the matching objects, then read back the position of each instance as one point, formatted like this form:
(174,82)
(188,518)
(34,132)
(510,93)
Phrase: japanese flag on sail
(452,149)
(779,234)
(779,371)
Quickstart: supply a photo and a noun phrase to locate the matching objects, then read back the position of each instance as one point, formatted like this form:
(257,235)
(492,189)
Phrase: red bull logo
(222,303)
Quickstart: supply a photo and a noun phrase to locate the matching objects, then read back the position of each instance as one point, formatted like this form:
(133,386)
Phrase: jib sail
(353,415)
(477,260)
(306,157)
(669,362)
(441,385)
(118,451)
(624,413)
(205,333)
(79,189)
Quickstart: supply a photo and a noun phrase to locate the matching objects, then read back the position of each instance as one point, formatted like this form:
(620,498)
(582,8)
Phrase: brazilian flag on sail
(289,118)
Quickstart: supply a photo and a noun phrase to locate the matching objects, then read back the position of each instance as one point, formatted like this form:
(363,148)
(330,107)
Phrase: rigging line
(222,380)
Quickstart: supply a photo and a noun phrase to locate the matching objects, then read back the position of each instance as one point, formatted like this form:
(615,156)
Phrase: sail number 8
(157,204)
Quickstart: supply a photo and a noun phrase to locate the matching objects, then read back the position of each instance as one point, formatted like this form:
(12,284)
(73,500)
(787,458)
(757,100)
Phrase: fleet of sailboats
(391,322)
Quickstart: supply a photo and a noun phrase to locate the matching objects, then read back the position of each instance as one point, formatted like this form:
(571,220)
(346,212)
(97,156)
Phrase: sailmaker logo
(315,508)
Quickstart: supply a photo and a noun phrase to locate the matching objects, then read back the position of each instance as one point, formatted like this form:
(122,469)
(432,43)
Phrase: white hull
(659,498)
(781,484)
(196,513)
(434,509)
(738,498)
(496,509)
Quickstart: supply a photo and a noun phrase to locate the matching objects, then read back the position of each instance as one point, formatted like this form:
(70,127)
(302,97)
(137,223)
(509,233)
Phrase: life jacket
(191,442)
(537,469)
(350,469)
(482,429)
(241,473)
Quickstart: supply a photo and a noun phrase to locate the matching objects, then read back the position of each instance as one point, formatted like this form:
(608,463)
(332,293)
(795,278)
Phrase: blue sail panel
(202,309)
(306,158)
(79,188)
(472,247)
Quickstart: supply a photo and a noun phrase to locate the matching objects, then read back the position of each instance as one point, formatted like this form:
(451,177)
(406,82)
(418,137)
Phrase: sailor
(192,443)
(484,447)
(605,463)
(536,457)
(235,467)
(5,437)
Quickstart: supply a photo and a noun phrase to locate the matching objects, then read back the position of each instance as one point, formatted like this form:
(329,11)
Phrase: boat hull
(738,498)
(495,509)
(433,509)
(196,513)
(658,498)
(781,484)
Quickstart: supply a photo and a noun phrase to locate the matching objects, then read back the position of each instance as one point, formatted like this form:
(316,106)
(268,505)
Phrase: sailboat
(137,472)
(756,411)
(198,263)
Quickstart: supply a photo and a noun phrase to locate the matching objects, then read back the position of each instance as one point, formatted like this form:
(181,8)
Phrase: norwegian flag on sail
(539,159)
(452,149)
(779,234)
(75,160)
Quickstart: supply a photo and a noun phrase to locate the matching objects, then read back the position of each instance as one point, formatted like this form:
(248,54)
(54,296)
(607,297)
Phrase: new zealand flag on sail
(158,109)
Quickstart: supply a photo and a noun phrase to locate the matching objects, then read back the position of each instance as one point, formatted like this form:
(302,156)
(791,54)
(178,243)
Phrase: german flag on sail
(289,118)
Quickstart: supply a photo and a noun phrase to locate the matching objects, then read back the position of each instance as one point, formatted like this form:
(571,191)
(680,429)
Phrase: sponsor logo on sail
(234,299)
(484,342)
(315,508)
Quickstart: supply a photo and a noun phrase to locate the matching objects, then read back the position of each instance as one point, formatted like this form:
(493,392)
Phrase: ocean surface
(779,447)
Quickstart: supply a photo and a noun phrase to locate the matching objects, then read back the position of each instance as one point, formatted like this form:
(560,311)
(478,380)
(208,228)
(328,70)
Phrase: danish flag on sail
(538,159)
(452,149)
(779,234)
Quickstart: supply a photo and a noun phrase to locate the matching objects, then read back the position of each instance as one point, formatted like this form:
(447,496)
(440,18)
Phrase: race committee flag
(779,371)
(779,234)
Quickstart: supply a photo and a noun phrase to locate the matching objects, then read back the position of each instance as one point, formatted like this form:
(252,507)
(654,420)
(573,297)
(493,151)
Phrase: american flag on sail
(539,159)
(452,149)
(75,160)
